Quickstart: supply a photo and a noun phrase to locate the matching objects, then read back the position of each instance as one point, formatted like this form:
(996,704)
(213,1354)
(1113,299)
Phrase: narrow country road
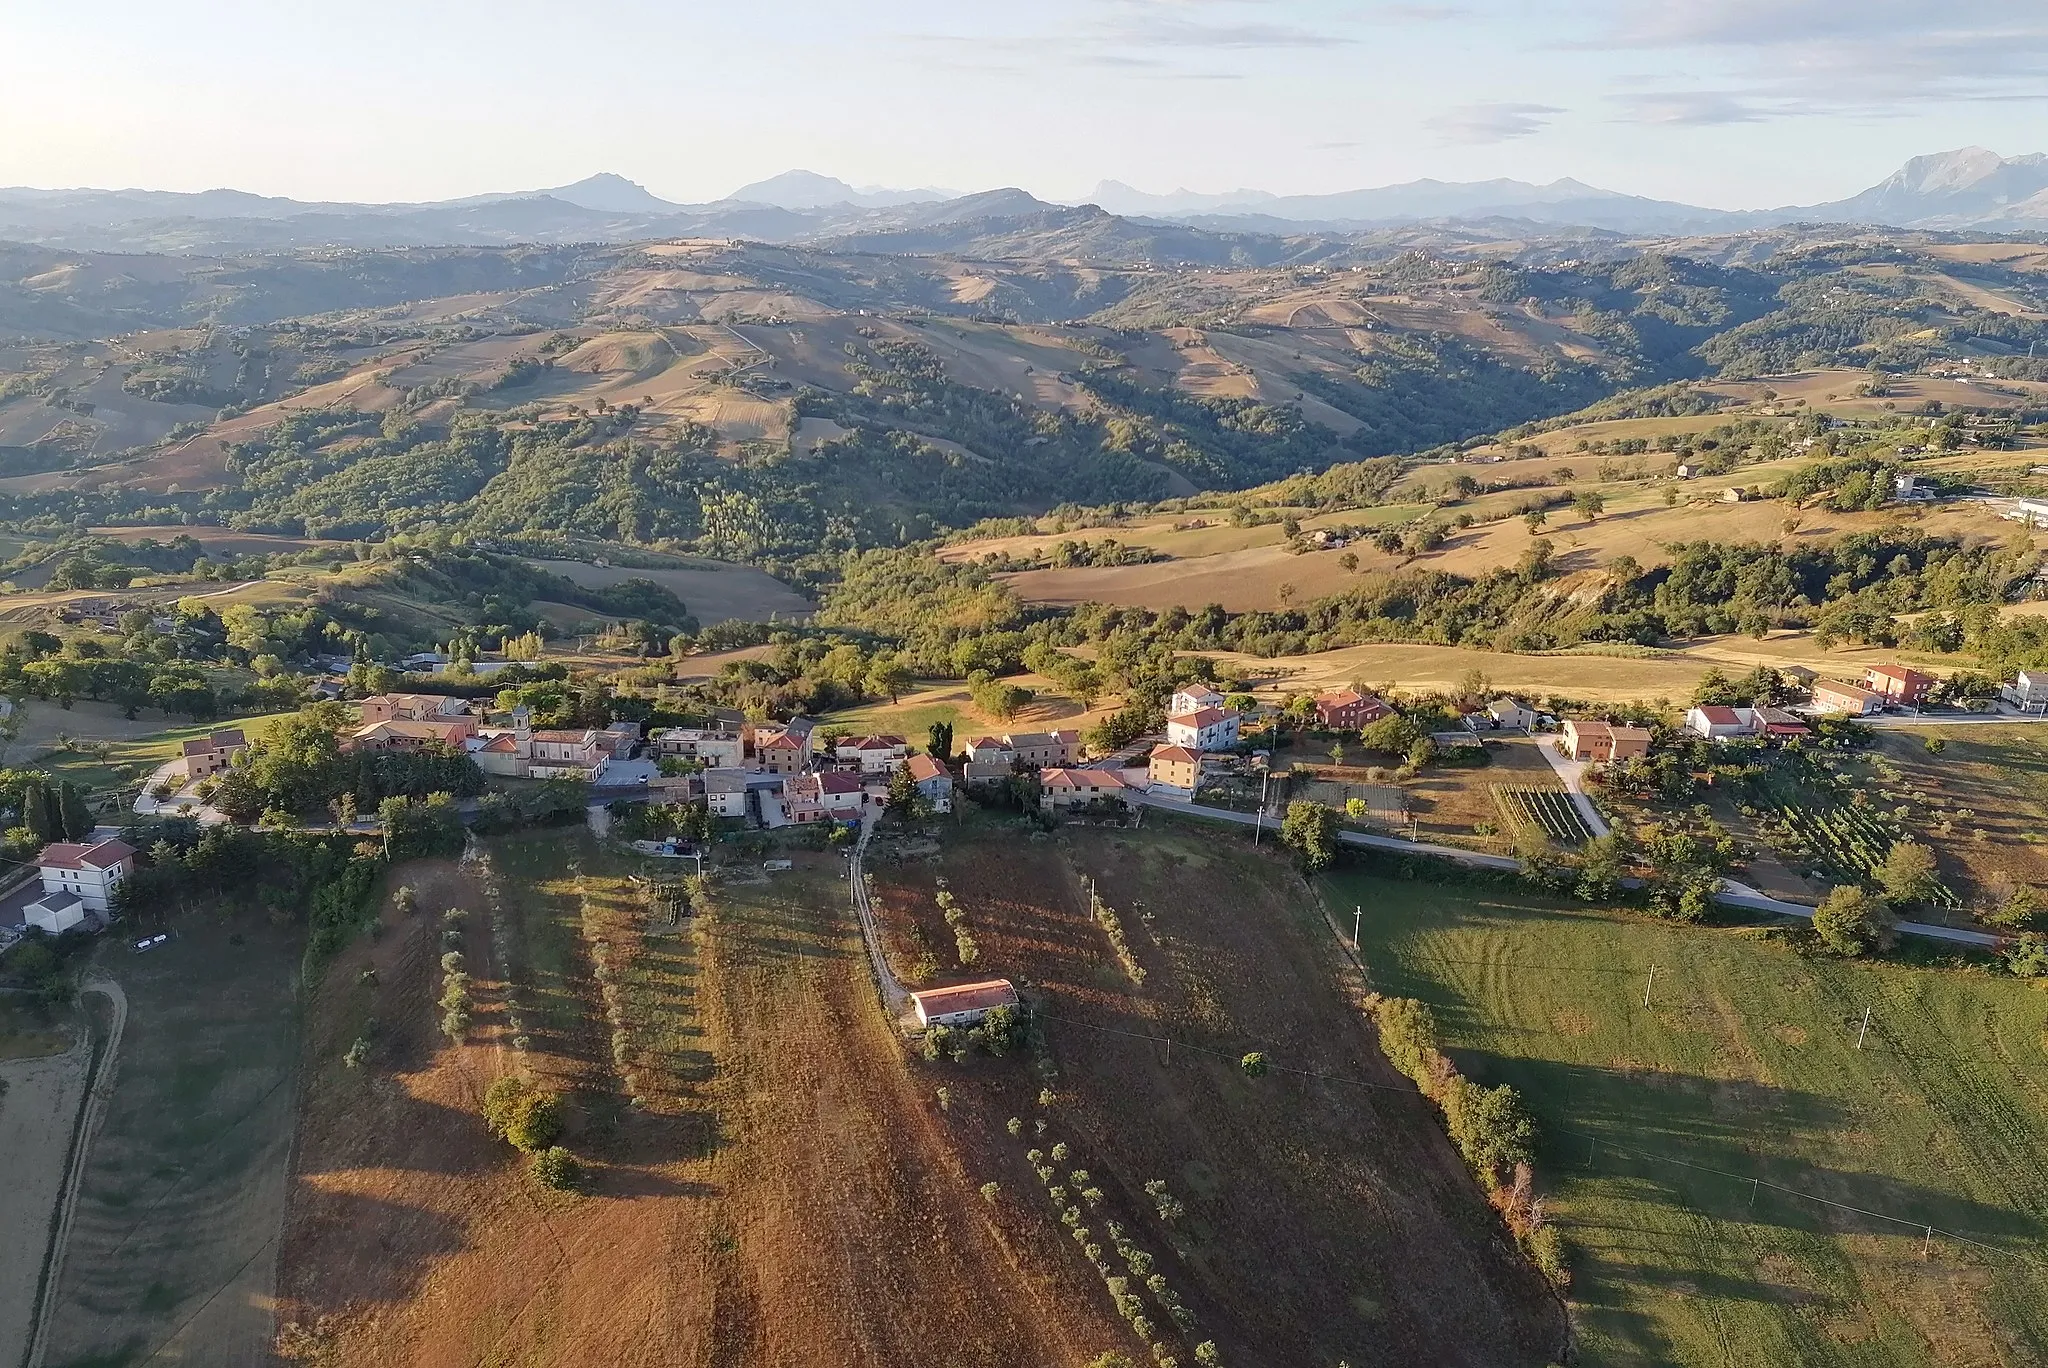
(895,997)
(1732,893)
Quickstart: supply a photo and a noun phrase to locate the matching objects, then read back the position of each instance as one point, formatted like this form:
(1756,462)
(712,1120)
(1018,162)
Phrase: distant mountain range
(1969,189)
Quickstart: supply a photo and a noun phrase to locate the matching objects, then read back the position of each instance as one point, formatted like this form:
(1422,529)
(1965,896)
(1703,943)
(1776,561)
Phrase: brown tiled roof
(1179,754)
(923,767)
(1082,778)
(71,855)
(1201,717)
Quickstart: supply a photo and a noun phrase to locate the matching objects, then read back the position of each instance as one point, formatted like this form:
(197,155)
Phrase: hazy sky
(1734,103)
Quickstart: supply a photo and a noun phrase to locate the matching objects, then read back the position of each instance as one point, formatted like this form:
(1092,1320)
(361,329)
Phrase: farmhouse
(1046,748)
(717,748)
(1348,710)
(2028,692)
(874,754)
(88,873)
(412,708)
(1776,724)
(1508,712)
(1176,768)
(1193,698)
(782,752)
(963,1004)
(1719,723)
(402,734)
(732,792)
(1209,729)
(805,798)
(1060,789)
(1831,695)
(1603,742)
(989,760)
(206,756)
(934,781)
(1898,684)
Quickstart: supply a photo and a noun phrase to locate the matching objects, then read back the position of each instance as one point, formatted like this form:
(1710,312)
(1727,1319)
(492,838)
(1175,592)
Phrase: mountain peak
(610,193)
(801,189)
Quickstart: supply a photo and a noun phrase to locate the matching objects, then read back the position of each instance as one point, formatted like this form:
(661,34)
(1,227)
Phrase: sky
(1728,103)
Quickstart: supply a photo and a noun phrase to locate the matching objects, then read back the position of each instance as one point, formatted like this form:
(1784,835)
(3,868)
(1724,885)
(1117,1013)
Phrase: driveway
(184,800)
(1573,773)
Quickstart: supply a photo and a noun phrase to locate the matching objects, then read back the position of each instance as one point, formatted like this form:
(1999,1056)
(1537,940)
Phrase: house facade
(1060,789)
(412,708)
(873,754)
(1210,729)
(403,734)
(934,781)
(1899,685)
(1193,698)
(1831,695)
(717,748)
(1348,710)
(89,873)
(2028,692)
(1045,748)
(206,756)
(963,1004)
(782,752)
(1604,743)
(1718,723)
(566,755)
(1509,712)
(1174,767)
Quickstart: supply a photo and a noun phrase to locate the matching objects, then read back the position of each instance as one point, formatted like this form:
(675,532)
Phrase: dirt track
(36,1120)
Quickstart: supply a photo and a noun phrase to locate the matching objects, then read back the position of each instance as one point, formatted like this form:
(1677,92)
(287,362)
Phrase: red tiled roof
(966,997)
(1719,716)
(71,855)
(505,744)
(923,767)
(1342,698)
(1180,754)
(1899,673)
(785,741)
(1201,717)
(1082,778)
(840,781)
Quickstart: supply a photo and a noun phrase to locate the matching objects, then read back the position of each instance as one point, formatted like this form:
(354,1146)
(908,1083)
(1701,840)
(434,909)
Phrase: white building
(2028,692)
(89,873)
(963,1004)
(1191,698)
(1720,723)
(2032,512)
(1206,729)
(874,754)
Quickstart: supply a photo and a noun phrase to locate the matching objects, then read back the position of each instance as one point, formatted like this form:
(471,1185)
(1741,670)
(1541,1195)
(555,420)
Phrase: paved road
(1732,893)
(1943,719)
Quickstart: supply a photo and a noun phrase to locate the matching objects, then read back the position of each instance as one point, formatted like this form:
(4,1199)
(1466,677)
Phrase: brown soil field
(714,591)
(784,1192)
(1327,1216)
(1997,774)
(172,1249)
(1445,801)
(37,1118)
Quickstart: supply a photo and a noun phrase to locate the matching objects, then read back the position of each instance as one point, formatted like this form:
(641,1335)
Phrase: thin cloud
(1689,109)
(1490,122)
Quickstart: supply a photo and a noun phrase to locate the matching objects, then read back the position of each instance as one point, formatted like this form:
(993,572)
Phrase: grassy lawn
(130,759)
(1744,1067)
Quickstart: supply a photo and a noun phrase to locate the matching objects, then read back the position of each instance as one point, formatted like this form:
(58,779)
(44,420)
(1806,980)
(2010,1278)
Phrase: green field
(1744,1067)
(129,759)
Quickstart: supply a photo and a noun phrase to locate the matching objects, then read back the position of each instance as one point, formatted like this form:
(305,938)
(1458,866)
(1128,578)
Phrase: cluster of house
(411,722)
(777,774)
(1884,686)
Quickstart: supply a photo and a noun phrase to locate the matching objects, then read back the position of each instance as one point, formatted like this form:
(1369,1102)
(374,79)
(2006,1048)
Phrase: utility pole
(1357,921)
(1259,818)
(1648,986)
(1861,1031)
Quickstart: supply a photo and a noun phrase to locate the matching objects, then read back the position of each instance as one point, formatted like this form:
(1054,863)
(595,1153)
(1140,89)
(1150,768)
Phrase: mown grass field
(1676,1135)
(130,756)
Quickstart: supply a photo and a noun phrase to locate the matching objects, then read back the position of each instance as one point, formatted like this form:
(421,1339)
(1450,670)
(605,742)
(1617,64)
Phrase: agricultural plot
(1736,1180)
(1846,841)
(1550,811)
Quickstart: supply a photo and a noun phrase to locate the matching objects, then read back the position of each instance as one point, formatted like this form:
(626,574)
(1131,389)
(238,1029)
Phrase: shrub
(522,1113)
(1014,1126)
(989,1191)
(1253,1064)
(358,1053)
(1851,921)
(556,1168)
(405,901)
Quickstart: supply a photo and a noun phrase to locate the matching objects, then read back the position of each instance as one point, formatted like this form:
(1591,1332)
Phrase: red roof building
(1348,710)
(1897,684)
(963,1004)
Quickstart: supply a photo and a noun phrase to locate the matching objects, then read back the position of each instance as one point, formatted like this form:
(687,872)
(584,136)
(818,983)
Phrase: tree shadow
(395,1247)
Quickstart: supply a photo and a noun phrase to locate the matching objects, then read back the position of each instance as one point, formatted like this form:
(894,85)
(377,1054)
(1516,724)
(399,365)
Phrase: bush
(522,1113)
(1851,922)
(556,1168)
(1253,1064)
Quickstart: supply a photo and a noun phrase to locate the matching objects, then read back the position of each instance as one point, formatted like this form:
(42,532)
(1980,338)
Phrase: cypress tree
(35,812)
(76,816)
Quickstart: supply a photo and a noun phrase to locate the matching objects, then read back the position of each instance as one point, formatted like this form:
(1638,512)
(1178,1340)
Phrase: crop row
(1548,810)
(1847,842)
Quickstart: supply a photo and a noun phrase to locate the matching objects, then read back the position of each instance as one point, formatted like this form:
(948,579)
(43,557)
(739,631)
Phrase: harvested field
(1686,1148)
(38,1114)
(713,591)
(756,1208)
(1325,1220)
(172,1249)
(1999,776)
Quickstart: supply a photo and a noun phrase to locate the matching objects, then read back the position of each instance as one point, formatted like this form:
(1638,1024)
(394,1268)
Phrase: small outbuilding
(963,1004)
